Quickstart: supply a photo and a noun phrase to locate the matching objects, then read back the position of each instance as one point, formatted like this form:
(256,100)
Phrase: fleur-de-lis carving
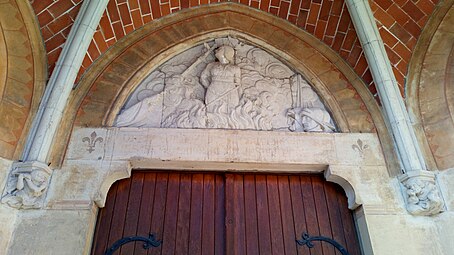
(360,146)
(91,141)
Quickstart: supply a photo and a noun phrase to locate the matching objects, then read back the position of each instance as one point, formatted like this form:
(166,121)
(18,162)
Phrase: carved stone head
(225,54)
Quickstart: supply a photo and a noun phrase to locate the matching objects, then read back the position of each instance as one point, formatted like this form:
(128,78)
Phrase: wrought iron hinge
(307,240)
(148,243)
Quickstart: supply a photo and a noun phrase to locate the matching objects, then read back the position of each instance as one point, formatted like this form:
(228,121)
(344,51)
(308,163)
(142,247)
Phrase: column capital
(27,185)
(421,193)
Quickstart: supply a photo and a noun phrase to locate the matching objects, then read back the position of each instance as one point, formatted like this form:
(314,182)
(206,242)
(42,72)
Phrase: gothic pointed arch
(23,74)
(430,88)
(107,84)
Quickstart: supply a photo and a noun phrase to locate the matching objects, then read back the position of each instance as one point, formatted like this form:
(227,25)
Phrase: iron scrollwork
(307,240)
(148,243)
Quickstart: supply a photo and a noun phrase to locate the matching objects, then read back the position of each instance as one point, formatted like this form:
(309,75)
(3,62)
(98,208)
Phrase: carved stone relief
(422,194)
(27,185)
(226,83)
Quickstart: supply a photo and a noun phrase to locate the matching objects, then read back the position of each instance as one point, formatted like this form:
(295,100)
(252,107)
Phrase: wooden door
(216,213)
(266,213)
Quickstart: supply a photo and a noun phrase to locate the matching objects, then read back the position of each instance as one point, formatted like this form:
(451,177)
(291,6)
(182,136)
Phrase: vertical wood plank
(208,234)
(171,214)
(220,216)
(184,214)
(235,230)
(146,211)
(159,206)
(119,214)
(104,222)
(277,239)
(195,227)
(322,214)
(288,225)
(262,215)
(335,216)
(299,214)
(311,213)
(229,213)
(250,211)
(239,219)
(132,211)
(348,225)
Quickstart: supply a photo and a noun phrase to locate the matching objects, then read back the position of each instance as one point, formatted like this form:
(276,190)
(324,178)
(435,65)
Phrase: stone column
(28,180)
(422,195)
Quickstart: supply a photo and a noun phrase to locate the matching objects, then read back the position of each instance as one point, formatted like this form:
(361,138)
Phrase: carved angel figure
(221,80)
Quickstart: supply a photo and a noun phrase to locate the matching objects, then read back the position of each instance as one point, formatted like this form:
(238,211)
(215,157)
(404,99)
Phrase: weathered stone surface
(20,94)
(225,83)
(9,18)
(27,185)
(7,214)
(355,161)
(12,116)
(299,47)
(97,111)
(431,90)
(226,145)
(410,235)
(97,157)
(69,231)
(21,71)
(241,21)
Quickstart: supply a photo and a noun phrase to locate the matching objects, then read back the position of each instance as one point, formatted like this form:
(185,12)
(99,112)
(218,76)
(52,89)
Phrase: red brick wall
(400,24)
(56,18)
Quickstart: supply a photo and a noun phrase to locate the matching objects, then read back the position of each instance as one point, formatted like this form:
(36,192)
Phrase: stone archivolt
(227,84)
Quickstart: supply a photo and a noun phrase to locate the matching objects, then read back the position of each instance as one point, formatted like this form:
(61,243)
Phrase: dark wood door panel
(225,213)
(169,205)
(266,213)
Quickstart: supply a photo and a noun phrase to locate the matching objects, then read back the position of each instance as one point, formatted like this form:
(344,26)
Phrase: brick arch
(107,83)
(22,75)
(400,24)
(431,88)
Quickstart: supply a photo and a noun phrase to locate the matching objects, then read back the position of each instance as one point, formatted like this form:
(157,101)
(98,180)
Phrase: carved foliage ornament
(226,84)
(27,185)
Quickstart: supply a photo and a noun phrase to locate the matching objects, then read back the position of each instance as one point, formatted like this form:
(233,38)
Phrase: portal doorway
(225,213)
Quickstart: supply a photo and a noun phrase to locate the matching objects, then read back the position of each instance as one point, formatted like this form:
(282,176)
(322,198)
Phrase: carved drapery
(226,83)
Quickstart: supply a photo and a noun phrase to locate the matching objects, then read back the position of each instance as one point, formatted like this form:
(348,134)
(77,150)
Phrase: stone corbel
(422,193)
(27,185)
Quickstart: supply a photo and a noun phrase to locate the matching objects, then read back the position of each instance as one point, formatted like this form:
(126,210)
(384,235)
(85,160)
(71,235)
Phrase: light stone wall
(445,221)
(7,214)
(49,232)
(355,161)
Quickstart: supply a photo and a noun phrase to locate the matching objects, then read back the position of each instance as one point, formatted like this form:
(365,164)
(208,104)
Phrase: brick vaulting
(400,24)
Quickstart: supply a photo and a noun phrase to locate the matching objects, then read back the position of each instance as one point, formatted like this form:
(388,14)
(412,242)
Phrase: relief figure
(226,84)
(222,80)
(29,187)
